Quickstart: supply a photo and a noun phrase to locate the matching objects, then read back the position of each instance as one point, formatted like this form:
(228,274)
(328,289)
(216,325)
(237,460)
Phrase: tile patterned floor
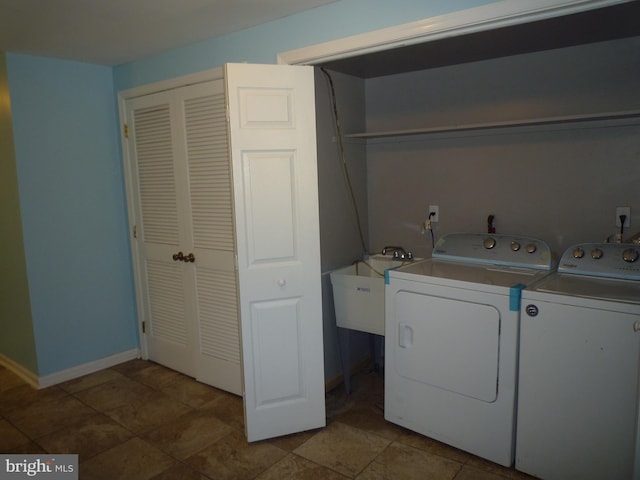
(139,420)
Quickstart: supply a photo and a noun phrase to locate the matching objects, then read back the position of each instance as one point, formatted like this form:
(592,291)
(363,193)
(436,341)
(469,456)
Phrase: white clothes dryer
(579,367)
(451,340)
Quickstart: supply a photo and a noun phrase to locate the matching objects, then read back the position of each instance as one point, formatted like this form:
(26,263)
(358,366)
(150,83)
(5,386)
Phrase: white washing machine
(579,367)
(451,340)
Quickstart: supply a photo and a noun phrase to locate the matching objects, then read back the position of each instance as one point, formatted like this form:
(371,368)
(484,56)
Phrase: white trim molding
(69,374)
(24,373)
(87,368)
(487,17)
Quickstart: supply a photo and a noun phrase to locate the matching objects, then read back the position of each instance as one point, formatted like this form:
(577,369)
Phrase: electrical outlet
(623,211)
(435,209)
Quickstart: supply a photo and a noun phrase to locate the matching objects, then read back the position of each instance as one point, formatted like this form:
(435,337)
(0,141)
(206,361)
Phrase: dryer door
(448,343)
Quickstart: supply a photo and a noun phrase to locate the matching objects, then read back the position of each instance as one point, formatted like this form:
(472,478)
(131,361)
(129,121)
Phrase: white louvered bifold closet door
(181,168)
(211,202)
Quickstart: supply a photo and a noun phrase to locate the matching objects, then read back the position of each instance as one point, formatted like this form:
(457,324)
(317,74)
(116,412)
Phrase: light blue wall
(73,210)
(261,44)
(17,341)
(70,172)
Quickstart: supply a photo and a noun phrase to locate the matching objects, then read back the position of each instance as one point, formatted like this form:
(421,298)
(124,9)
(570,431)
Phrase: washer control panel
(494,249)
(612,260)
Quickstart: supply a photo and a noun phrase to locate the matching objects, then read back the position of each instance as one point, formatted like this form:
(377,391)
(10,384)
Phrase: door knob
(189,258)
(178,256)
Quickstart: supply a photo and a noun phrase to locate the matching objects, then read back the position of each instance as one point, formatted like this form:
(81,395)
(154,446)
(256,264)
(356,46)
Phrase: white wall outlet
(623,211)
(435,209)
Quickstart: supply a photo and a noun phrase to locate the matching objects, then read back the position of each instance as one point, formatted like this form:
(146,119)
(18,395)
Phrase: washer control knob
(578,252)
(515,246)
(531,247)
(630,255)
(489,243)
(596,254)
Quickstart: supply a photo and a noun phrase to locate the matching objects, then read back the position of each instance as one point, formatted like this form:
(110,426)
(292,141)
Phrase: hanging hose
(343,161)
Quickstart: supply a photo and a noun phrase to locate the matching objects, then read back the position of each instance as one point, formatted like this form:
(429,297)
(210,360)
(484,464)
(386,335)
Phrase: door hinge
(126,131)
(144,327)
(135,231)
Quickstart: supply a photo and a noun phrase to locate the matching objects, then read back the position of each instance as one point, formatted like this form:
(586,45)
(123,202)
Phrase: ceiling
(110,32)
(608,23)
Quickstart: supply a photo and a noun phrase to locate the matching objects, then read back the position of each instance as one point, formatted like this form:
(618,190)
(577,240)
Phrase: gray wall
(340,241)
(561,183)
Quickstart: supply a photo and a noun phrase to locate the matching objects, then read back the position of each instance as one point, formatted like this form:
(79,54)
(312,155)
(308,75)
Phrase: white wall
(561,184)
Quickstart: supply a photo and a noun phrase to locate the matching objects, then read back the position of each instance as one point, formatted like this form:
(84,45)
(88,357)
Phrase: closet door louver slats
(209,173)
(167,303)
(156,175)
(211,203)
(219,315)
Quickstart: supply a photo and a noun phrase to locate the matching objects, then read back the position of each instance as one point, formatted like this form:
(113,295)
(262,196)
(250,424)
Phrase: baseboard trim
(25,374)
(338,380)
(70,373)
(87,368)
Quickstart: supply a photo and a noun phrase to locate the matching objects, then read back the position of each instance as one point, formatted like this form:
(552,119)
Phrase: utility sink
(358,293)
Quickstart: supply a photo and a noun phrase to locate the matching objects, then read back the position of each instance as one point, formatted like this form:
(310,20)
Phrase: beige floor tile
(370,418)
(9,380)
(91,380)
(48,415)
(134,459)
(293,467)
(116,393)
(95,435)
(142,416)
(188,434)
(233,458)
(191,392)
(132,366)
(486,465)
(343,448)
(155,375)
(293,441)
(227,408)
(433,446)
(31,447)
(22,396)
(11,437)
(471,473)
(181,472)
(399,461)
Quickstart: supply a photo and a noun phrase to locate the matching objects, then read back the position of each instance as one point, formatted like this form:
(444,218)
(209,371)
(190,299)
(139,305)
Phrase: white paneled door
(273,150)
(222,183)
(184,228)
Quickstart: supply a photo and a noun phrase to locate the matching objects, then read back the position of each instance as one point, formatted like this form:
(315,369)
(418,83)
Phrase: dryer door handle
(405,335)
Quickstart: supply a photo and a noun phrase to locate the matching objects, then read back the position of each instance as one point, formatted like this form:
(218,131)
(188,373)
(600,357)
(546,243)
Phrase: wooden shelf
(596,117)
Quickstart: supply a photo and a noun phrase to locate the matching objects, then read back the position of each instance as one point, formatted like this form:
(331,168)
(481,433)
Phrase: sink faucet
(399,253)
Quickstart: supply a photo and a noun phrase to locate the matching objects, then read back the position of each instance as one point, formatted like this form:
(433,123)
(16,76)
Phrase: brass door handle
(178,256)
(189,258)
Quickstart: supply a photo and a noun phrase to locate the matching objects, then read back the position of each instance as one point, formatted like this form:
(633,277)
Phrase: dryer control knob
(531,247)
(630,255)
(596,254)
(578,252)
(515,246)
(489,243)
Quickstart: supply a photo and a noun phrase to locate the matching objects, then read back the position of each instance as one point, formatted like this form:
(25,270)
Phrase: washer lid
(437,270)
(599,288)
